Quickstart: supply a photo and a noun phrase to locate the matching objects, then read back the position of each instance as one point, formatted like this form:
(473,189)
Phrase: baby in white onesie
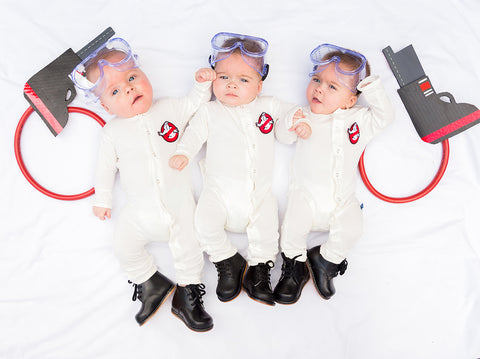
(238,129)
(323,176)
(160,206)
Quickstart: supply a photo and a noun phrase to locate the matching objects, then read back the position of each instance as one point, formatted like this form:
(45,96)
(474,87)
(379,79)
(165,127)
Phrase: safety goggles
(115,53)
(252,49)
(350,66)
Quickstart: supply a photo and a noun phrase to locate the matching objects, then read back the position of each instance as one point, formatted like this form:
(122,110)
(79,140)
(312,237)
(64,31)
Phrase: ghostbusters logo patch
(169,132)
(354,133)
(265,123)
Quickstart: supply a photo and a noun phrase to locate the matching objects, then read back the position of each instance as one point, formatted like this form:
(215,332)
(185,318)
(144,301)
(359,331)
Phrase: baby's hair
(250,46)
(351,62)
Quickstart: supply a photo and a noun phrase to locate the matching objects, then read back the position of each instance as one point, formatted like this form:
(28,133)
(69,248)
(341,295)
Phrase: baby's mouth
(136,98)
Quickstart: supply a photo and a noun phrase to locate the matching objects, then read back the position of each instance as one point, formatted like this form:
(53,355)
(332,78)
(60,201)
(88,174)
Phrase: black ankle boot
(187,305)
(152,293)
(294,277)
(323,272)
(230,277)
(257,283)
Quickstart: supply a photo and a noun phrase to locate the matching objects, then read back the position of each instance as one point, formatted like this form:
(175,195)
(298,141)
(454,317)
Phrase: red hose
(431,186)
(23,168)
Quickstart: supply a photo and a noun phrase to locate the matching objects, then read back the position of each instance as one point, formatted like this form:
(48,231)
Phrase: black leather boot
(152,293)
(187,304)
(323,272)
(230,277)
(294,277)
(257,283)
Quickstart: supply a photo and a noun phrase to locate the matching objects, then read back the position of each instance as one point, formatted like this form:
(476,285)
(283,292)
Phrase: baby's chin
(234,101)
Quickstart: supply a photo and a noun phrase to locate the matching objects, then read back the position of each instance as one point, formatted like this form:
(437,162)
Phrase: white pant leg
(262,231)
(185,247)
(346,227)
(131,237)
(210,221)
(296,226)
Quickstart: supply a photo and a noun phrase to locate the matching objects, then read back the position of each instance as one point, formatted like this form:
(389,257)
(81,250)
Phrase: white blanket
(412,288)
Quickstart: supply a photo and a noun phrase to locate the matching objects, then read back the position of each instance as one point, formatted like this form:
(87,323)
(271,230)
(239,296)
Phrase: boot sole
(299,293)
(314,282)
(237,293)
(179,316)
(169,293)
(260,301)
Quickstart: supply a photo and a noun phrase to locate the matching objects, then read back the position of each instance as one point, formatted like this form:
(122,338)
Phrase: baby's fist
(205,74)
(178,162)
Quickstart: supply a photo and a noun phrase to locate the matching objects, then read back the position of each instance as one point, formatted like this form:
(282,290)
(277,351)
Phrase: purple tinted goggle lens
(125,60)
(325,54)
(224,43)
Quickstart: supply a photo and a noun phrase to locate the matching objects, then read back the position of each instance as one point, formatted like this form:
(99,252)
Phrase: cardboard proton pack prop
(51,90)
(434,119)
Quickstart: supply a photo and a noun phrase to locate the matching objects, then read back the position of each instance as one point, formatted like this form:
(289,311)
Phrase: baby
(239,131)
(322,189)
(160,204)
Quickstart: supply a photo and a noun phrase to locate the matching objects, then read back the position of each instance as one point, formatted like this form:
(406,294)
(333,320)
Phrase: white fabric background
(412,289)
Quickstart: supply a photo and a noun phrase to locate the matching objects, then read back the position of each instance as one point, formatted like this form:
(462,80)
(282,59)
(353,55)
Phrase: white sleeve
(285,121)
(105,174)
(380,109)
(199,94)
(195,134)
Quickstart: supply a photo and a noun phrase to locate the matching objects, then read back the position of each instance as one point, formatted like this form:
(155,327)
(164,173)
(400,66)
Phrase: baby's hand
(178,162)
(302,129)
(298,115)
(101,212)
(205,74)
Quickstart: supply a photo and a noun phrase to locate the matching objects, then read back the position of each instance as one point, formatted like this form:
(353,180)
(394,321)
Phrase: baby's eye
(114,92)
(131,78)
(244,80)
(314,79)
(224,77)
(332,87)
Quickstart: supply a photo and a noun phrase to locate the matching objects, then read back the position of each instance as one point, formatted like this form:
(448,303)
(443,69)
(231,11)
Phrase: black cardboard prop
(434,118)
(51,90)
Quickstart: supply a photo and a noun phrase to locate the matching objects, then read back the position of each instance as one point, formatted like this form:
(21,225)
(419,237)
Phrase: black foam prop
(434,118)
(51,90)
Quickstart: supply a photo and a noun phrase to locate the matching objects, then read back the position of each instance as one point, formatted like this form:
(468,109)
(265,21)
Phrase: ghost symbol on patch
(354,133)
(265,123)
(169,132)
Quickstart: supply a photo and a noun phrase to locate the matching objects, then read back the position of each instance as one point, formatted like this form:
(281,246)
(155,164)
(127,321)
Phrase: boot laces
(224,269)
(137,291)
(196,292)
(342,267)
(263,274)
(287,266)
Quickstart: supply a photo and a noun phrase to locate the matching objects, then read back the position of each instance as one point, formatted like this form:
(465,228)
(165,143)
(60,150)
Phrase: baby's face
(325,94)
(127,93)
(236,82)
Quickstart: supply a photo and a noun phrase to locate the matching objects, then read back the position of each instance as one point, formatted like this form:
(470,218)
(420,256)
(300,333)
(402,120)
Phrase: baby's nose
(232,83)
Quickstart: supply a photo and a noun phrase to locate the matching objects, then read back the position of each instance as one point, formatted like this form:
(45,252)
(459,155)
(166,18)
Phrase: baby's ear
(353,100)
(106,108)
(260,85)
